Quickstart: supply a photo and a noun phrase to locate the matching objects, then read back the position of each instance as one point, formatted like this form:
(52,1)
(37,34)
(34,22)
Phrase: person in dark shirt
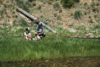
(40,30)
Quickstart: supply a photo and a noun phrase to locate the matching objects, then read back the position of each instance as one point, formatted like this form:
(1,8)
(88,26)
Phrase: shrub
(95,16)
(97,27)
(55,14)
(59,23)
(98,4)
(22,5)
(56,5)
(91,21)
(34,4)
(77,14)
(39,7)
(60,11)
(90,17)
(49,2)
(59,17)
(95,10)
(4,23)
(85,4)
(1,10)
(67,3)
(28,3)
(41,16)
(93,4)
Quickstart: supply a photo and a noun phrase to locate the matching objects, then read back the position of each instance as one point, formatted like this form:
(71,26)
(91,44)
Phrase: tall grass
(56,5)
(77,14)
(13,48)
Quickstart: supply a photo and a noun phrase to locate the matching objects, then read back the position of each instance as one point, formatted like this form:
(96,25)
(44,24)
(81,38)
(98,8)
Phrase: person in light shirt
(27,34)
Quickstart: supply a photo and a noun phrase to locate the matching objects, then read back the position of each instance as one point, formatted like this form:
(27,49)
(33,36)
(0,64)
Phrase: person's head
(40,24)
(27,30)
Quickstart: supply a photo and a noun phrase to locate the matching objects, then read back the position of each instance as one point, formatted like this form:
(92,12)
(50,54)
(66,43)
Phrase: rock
(91,37)
(99,36)
(11,23)
(71,30)
(84,36)
(96,37)
(90,34)
(79,36)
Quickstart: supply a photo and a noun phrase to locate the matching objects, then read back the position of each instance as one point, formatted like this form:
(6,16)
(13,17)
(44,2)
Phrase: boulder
(71,30)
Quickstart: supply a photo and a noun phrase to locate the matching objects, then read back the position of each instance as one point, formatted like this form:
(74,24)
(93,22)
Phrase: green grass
(14,48)
(77,14)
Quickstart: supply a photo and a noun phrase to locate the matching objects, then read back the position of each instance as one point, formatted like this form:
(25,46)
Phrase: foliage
(59,17)
(77,14)
(95,9)
(55,14)
(95,16)
(85,4)
(60,11)
(1,10)
(34,4)
(96,26)
(4,23)
(49,2)
(23,5)
(56,5)
(93,4)
(67,3)
(39,7)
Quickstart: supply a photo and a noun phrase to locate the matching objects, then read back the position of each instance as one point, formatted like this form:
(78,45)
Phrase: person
(27,34)
(40,30)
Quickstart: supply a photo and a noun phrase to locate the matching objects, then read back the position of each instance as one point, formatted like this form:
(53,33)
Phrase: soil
(87,61)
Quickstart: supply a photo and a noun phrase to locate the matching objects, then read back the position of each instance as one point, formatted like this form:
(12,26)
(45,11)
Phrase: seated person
(40,30)
(27,34)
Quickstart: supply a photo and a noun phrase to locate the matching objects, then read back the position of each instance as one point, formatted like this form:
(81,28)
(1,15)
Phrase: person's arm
(29,35)
(42,30)
(37,29)
(24,33)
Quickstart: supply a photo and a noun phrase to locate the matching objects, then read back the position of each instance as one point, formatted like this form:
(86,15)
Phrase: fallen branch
(35,20)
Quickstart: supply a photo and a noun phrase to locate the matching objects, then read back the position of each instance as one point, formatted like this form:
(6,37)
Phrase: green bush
(55,14)
(49,2)
(85,4)
(59,17)
(34,4)
(60,11)
(23,5)
(77,14)
(4,23)
(67,3)
(39,7)
(56,5)
(97,27)
(93,4)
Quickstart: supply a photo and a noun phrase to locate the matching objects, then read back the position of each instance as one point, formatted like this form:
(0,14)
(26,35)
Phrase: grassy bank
(13,48)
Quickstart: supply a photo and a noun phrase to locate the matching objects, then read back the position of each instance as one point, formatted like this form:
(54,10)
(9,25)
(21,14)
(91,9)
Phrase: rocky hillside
(45,10)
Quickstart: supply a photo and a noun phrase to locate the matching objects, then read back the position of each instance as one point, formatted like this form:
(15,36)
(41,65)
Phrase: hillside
(76,44)
(45,10)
